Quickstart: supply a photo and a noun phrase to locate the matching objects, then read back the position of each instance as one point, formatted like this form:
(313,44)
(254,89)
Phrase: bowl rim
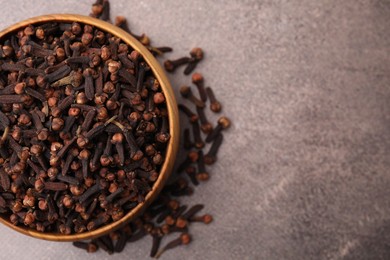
(173,119)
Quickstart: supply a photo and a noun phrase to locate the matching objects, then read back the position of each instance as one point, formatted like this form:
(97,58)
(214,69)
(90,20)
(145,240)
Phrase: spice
(172,65)
(184,239)
(197,136)
(206,126)
(89,247)
(196,57)
(191,115)
(186,92)
(65,92)
(215,106)
(198,80)
(223,123)
(211,156)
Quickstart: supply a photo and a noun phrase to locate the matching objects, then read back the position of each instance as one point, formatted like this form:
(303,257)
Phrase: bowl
(173,118)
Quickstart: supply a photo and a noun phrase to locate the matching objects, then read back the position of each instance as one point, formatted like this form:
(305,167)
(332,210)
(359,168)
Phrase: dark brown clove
(89,247)
(159,50)
(36,50)
(128,77)
(105,15)
(58,74)
(223,123)
(76,49)
(206,219)
(186,92)
(172,65)
(42,133)
(106,158)
(89,87)
(211,156)
(11,99)
(155,245)
(89,192)
(97,222)
(215,105)
(117,140)
(191,172)
(205,126)
(65,133)
(4,180)
(191,66)
(68,179)
(193,211)
(126,62)
(142,69)
(184,239)
(84,157)
(198,80)
(192,157)
(55,186)
(79,59)
(113,45)
(64,104)
(121,243)
(87,214)
(99,83)
(197,137)
(112,103)
(163,136)
(191,116)
(96,156)
(196,57)
(71,155)
(135,153)
(187,143)
(202,175)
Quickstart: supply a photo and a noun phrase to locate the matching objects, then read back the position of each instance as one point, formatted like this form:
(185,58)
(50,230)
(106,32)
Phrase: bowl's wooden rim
(172,148)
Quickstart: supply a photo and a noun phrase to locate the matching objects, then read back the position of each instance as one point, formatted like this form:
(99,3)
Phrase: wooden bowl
(173,118)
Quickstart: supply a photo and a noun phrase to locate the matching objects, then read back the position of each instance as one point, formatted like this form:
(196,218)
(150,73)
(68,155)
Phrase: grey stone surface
(303,172)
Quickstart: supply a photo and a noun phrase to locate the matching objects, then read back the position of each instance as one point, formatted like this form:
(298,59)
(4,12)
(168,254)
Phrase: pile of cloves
(84,127)
(167,215)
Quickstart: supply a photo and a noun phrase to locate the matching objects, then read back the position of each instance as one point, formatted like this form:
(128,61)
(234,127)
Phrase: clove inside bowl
(171,105)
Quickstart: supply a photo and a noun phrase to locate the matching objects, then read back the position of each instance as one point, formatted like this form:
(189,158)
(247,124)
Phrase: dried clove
(198,80)
(186,92)
(211,156)
(215,105)
(223,123)
(184,239)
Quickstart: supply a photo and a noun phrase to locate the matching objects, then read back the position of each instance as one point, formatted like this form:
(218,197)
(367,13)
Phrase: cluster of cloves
(83,124)
(166,215)
(200,124)
(101,10)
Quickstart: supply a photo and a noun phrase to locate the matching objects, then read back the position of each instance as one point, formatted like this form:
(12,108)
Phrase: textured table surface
(303,172)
